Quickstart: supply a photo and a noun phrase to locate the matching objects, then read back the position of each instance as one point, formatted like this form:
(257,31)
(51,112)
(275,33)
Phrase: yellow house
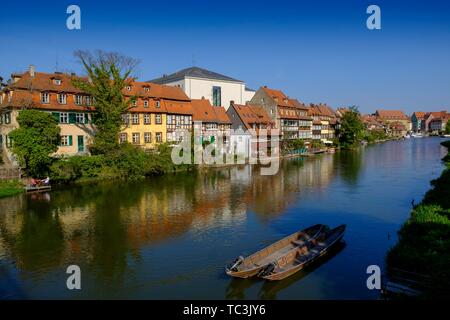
(155,112)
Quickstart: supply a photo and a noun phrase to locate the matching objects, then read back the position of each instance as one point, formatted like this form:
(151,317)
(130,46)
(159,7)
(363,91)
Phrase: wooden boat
(38,188)
(251,265)
(297,258)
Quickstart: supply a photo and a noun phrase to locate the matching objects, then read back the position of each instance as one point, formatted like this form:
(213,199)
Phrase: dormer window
(57,82)
(145,103)
(78,100)
(146,89)
(158,104)
(88,100)
(128,88)
(45,97)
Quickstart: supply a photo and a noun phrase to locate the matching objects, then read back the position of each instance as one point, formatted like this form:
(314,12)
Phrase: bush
(10,187)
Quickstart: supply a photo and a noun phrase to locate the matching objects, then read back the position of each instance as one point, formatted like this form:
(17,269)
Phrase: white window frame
(147,137)
(123,137)
(64,117)
(133,136)
(147,118)
(135,118)
(79,117)
(62,98)
(158,116)
(45,97)
(78,99)
(64,141)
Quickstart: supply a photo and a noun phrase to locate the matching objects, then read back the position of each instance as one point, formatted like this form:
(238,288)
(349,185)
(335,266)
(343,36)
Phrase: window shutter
(56,116)
(70,140)
(72,118)
(86,118)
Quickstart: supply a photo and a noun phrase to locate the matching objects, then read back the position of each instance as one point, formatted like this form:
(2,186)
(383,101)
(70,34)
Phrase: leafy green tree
(109,74)
(35,140)
(447,127)
(352,128)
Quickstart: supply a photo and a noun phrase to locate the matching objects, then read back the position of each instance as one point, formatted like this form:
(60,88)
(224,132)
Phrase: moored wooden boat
(251,265)
(38,188)
(297,258)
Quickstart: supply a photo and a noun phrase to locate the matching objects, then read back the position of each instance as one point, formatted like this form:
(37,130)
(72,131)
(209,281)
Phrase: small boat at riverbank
(37,188)
(299,257)
(251,265)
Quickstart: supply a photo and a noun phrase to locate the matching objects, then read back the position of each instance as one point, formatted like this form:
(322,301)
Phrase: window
(146,89)
(88,100)
(78,99)
(66,141)
(129,88)
(159,137)
(169,119)
(79,118)
(147,118)
(123,137)
(63,117)
(134,103)
(7,117)
(135,118)
(126,119)
(147,137)
(217,99)
(158,104)
(145,103)
(62,98)
(136,138)
(57,82)
(45,97)
(158,119)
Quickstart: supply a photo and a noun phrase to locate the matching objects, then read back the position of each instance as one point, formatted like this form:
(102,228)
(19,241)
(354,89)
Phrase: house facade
(253,130)
(418,121)
(212,122)
(53,93)
(324,122)
(289,115)
(394,116)
(435,122)
(198,83)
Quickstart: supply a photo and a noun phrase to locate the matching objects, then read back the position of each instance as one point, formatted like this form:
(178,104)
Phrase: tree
(447,127)
(109,73)
(352,128)
(35,140)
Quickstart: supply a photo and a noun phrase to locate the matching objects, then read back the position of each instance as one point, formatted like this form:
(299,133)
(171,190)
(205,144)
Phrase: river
(170,237)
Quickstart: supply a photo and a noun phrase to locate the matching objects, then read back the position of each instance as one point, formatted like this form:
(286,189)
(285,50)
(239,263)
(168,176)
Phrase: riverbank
(10,188)
(423,248)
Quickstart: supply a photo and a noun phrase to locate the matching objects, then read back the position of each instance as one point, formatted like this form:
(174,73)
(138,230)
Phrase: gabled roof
(203,111)
(252,114)
(153,90)
(45,82)
(193,72)
(391,115)
(419,114)
(280,98)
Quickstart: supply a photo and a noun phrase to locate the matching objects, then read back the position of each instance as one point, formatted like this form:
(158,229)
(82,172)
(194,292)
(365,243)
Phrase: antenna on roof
(56,63)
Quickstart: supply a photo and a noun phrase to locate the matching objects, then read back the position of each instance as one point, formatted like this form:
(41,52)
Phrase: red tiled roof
(420,114)
(205,112)
(391,115)
(251,114)
(278,96)
(153,90)
(45,82)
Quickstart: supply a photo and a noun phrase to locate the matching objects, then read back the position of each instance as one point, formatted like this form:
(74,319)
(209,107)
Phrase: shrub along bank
(424,240)
(127,161)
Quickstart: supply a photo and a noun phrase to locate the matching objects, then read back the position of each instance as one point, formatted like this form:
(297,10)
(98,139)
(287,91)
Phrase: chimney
(32,70)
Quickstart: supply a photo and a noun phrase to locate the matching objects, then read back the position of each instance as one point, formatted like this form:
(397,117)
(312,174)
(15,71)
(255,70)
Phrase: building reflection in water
(105,224)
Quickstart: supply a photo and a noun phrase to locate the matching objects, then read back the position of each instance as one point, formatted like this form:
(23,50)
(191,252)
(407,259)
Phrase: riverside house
(324,122)
(53,93)
(418,121)
(394,117)
(248,120)
(211,121)
(155,114)
(289,115)
(435,122)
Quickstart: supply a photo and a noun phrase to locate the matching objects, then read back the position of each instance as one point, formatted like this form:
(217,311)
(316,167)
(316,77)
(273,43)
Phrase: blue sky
(316,51)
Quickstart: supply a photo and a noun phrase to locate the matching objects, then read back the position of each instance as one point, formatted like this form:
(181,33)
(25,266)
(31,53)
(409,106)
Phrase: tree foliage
(108,74)
(35,140)
(447,127)
(352,128)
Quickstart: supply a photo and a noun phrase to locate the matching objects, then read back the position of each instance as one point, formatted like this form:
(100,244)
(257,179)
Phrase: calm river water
(170,237)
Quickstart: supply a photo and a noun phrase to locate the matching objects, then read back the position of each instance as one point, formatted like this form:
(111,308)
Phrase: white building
(197,83)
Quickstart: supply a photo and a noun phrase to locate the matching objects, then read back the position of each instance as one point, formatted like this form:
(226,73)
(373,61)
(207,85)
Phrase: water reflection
(130,237)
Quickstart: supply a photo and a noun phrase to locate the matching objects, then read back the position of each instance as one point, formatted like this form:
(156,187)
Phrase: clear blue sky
(316,51)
